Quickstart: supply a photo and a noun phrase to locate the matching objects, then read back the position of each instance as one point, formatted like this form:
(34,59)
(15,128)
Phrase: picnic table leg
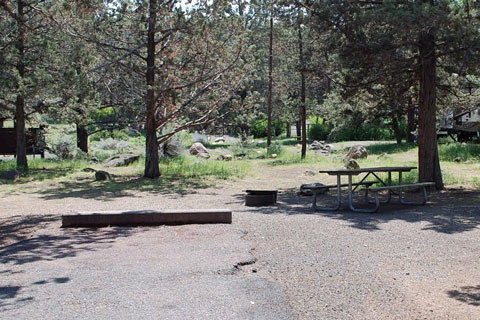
(389,196)
(339,199)
(421,203)
(350,199)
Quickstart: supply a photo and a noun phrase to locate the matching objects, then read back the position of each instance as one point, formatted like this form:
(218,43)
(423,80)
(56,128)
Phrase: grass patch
(195,168)
(390,148)
(464,151)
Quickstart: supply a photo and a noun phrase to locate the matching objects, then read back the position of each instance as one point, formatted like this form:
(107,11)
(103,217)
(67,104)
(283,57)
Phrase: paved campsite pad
(403,263)
(182,272)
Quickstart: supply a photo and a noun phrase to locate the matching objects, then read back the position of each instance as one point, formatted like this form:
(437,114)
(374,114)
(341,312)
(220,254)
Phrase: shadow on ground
(123,186)
(447,212)
(468,294)
(68,243)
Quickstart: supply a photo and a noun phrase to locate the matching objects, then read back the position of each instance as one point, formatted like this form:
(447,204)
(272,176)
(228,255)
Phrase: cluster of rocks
(199,150)
(321,147)
(355,152)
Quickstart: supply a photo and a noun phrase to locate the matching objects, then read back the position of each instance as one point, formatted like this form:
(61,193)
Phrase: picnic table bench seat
(422,185)
(329,186)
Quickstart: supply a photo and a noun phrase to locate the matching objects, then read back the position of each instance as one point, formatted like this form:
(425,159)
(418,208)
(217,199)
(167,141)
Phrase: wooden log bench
(401,187)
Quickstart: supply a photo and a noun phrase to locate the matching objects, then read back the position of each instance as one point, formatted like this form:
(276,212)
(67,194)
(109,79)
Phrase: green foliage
(389,148)
(194,168)
(113,134)
(63,146)
(464,151)
(318,131)
(244,145)
(364,133)
(275,148)
(259,128)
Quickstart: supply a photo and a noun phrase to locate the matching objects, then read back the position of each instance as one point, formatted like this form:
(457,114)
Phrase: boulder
(11,174)
(357,152)
(227,157)
(120,160)
(457,159)
(197,148)
(273,155)
(204,155)
(351,164)
(219,140)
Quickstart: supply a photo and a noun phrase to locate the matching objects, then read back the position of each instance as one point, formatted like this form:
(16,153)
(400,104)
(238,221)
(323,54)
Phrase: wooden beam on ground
(99,219)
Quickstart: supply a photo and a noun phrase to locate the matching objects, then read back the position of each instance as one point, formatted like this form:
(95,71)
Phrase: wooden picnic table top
(343,171)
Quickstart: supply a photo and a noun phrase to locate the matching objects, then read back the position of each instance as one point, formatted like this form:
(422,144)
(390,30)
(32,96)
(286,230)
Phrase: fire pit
(255,198)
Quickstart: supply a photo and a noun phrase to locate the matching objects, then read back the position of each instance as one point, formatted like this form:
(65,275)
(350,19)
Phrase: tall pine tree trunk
(396,130)
(303,108)
(428,161)
(410,121)
(289,129)
(152,169)
(270,83)
(20,151)
(82,137)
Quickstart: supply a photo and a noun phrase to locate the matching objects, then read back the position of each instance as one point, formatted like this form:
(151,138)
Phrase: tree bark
(82,138)
(410,121)
(152,169)
(396,130)
(20,151)
(303,108)
(270,84)
(298,128)
(428,161)
(289,129)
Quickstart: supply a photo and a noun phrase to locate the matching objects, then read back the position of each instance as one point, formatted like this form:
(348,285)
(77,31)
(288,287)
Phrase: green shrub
(244,145)
(275,147)
(363,133)
(318,131)
(259,128)
(63,146)
(113,134)
(464,151)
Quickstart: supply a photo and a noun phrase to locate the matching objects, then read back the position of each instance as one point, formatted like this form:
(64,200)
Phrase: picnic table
(387,185)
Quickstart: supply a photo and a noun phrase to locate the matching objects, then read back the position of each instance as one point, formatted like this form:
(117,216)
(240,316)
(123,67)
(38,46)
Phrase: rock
(197,148)
(457,159)
(357,152)
(309,173)
(322,153)
(203,155)
(121,160)
(352,164)
(273,155)
(321,147)
(94,160)
(259,152)
(219,140)
(227,157)
(11,174)
(306,191)
(384,154)
(102,175)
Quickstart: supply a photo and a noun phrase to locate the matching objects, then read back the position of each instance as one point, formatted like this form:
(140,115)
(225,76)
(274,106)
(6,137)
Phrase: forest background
(236,66)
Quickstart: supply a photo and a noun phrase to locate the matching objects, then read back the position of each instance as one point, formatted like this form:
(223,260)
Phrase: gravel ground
(404,262)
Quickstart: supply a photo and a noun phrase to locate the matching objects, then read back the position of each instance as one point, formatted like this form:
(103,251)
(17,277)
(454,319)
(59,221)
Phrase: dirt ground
(401,263)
